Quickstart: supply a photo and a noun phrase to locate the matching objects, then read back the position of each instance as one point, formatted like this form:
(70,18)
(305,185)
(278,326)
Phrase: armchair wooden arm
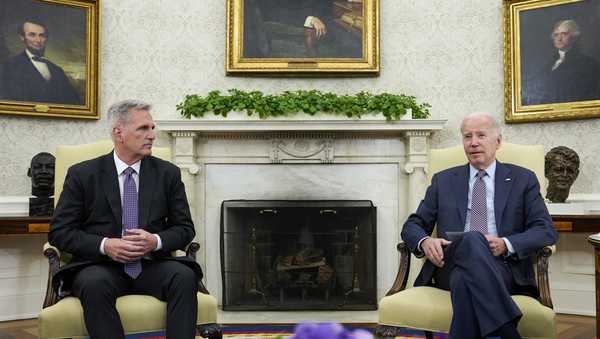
(191,251)
(542,258)
(403,270)
(53,255)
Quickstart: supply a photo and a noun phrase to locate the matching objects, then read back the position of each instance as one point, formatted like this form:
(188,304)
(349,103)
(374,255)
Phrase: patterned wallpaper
(448,53)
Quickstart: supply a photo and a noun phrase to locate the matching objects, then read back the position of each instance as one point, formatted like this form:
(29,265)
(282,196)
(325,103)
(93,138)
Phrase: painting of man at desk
(303,29)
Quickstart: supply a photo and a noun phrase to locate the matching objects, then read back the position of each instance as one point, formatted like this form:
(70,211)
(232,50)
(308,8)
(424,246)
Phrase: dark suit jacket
(577,78)
(89,209)
(521,217)
(21,81)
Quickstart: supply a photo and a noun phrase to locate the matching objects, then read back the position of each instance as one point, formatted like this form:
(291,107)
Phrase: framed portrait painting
(551,59)
(303,37)
(49,58)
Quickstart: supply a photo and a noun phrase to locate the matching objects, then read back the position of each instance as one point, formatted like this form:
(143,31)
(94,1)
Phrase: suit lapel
(148,173)
(33,72)
(503,185)
(110,184)
(461,185)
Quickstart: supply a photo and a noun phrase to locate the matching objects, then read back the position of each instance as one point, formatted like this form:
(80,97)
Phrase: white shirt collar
(561,54)
(121,166)
(491,170)
(31,55)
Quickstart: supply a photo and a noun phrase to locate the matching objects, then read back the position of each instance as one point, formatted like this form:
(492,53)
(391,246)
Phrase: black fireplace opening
(299,255)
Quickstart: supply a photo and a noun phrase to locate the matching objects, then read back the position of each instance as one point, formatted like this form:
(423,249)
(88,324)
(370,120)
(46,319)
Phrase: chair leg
(428,335)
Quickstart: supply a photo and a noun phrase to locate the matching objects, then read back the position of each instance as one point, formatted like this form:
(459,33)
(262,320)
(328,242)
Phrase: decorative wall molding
(290,150)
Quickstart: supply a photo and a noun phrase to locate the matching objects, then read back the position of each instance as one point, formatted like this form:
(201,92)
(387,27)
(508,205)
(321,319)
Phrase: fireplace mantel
(241,126)
(301,159)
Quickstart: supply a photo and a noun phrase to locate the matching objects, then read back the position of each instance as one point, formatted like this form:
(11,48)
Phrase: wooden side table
(588,223)
(595,241)
(24,225)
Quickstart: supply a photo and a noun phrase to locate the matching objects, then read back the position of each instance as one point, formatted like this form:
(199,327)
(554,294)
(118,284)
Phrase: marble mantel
(301,159)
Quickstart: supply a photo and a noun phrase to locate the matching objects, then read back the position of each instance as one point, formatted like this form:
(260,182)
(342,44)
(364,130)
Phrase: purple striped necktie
(479,205)
(130,216)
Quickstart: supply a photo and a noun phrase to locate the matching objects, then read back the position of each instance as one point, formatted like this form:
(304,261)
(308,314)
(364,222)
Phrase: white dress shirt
(121,167)
(560,60)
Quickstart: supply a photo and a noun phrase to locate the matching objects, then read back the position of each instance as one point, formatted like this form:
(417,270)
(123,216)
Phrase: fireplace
(298,255)
(309,159)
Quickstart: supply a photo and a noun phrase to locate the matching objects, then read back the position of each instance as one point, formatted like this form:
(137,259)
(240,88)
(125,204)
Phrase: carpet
(276,331)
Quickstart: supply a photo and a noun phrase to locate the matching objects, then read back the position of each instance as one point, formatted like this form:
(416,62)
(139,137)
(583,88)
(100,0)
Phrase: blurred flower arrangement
(328,331)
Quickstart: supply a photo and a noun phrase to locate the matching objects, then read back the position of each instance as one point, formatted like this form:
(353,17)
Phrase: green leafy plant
(392,106)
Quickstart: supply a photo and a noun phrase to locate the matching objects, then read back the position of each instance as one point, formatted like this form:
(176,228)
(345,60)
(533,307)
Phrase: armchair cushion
(431,310)
(139,313)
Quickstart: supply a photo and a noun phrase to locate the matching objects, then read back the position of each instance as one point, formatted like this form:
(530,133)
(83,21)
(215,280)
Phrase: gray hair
(570,25)
(118,113)
(491,118)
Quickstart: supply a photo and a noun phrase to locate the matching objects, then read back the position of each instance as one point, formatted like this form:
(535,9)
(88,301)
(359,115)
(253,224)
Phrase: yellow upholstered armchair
(429,308)
(63,318)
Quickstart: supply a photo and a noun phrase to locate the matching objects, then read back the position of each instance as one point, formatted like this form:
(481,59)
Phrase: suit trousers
(99,285)
(480,287)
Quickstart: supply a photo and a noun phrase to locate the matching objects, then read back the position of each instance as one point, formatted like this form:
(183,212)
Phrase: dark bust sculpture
(562,168)
(41,172)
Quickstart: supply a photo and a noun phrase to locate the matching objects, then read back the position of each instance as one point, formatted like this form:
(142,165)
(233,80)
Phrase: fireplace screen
(298,255)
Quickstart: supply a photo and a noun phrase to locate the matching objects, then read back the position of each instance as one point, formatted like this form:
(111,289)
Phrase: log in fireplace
(298,254)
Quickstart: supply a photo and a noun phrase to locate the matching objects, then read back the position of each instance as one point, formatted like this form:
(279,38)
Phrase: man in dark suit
(505,220)
(121,239)
(31,77)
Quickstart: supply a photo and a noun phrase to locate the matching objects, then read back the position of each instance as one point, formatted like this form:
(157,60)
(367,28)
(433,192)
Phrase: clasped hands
(433,248)
(131,247)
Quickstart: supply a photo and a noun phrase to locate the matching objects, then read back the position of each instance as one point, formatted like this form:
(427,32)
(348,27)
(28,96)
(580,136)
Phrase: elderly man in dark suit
(31,77)
(504,219)
(121,215)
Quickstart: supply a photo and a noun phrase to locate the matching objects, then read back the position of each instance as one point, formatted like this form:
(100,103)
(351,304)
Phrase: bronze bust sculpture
(561,169)
(41,172)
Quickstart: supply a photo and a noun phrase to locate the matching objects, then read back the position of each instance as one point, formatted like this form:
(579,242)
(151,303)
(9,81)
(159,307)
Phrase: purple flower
(327,331)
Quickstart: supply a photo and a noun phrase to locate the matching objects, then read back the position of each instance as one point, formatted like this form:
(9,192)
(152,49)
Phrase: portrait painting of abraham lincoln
(48,59)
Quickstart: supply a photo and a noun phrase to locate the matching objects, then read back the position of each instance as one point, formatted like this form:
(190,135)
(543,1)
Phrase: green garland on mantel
(392,106)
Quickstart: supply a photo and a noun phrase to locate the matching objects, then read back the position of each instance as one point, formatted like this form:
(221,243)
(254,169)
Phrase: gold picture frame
(283,38)
(49,58)
(539,86)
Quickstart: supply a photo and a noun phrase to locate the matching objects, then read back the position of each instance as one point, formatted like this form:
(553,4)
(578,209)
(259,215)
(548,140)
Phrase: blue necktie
(479,205)
(130,216)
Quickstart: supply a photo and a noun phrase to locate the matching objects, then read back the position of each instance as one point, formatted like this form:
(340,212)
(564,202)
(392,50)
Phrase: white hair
(570,25)
(491,118)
